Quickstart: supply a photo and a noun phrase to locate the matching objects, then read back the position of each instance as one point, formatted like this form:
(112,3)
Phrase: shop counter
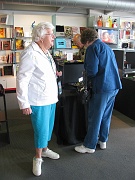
(125,99)
(71,118)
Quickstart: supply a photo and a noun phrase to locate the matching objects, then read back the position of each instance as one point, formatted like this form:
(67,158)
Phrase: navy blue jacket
(101,67)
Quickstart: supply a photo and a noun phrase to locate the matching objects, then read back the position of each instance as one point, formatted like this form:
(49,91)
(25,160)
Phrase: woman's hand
(59,73)
(27,111)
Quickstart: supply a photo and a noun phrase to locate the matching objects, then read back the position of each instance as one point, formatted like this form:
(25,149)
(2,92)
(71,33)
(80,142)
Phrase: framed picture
(3,19)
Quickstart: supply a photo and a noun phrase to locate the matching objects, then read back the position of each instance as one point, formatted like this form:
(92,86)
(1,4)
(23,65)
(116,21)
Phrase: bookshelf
(7,50)
(6,45)
(12,41)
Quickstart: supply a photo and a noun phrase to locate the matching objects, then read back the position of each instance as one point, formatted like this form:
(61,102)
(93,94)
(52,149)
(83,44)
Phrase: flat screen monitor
(119,55)
(130,58)
(60,31)
(59,28)
(72,72)
(108,36)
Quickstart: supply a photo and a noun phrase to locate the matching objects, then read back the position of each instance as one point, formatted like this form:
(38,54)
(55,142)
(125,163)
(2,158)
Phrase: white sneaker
(83,149)
(102,145)
(37,162)
(50,154)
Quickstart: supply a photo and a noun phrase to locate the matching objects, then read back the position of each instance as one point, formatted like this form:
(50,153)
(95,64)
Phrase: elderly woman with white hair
(37,90)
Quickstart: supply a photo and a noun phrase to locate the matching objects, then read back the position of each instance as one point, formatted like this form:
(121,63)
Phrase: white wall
(26,21)
(79,21)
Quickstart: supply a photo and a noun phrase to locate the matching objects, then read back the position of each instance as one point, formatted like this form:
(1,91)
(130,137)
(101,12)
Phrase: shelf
(23,38)
(6,64)
(105,28)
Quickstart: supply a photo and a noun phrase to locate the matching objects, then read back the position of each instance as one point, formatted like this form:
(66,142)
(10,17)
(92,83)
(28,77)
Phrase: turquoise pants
(42,119)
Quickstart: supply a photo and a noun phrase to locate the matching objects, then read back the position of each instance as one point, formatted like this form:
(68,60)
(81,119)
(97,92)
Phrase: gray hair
(40,30)
(89,35)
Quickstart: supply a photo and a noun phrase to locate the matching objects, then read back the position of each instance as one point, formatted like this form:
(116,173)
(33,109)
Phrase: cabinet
(8,82)
(125,100)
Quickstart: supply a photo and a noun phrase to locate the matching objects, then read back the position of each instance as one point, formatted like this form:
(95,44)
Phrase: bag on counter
(59,86)
(85,95)
(85,92)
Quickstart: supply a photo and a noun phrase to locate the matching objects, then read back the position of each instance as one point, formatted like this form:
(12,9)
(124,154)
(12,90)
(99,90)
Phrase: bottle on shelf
(100,21)
(114,25)
(110,21)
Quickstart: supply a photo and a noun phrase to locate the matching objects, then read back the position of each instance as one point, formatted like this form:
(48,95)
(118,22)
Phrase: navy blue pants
(99,118)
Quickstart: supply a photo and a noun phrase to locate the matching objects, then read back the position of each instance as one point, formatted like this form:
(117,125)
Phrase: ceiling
(68,6)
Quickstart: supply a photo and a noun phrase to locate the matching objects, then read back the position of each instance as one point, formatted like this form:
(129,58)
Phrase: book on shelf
(76,30)
(68,43)
(68,31)
(2,32)
(12,44)
(17,57)
(1,72)
(15,69)
(9,32)
(127,34)
(127,25)
(19,44)
(10,58)
(121,34)
(19,32)
(132,34)
(6,45)
(0,45)
(133,25)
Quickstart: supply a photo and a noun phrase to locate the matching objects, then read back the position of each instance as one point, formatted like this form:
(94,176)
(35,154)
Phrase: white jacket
(36,78)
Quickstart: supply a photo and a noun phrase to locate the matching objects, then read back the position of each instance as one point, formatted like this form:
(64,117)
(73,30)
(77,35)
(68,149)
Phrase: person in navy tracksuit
(101,67)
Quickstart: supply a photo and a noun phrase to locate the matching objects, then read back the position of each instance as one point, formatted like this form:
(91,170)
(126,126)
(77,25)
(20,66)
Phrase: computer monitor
(72,72)
(119,55)
(130,58)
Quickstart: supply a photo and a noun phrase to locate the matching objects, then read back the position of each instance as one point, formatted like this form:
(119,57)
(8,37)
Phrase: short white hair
(40,30)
